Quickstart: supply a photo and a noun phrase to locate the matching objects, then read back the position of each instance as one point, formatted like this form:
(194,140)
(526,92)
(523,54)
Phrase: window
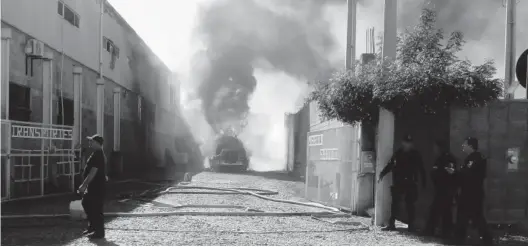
(68,14)
(112,49)
(67,115)
(61,9)
(19,102)
(109,46)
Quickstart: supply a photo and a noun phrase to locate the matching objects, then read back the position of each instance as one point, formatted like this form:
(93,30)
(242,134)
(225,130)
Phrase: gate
(333,165)
(37,160)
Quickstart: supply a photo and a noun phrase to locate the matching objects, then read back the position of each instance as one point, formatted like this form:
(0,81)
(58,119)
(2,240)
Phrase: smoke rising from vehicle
(257,59)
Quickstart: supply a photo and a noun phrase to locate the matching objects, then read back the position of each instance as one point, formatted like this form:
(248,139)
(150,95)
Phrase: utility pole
(351,35)
(100,81)
(509,60)
(385,142)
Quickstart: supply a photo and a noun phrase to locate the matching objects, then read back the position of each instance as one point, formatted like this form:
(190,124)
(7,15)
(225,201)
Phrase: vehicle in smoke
(230,154)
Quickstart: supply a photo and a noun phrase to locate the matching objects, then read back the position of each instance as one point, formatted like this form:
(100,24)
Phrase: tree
(425,73)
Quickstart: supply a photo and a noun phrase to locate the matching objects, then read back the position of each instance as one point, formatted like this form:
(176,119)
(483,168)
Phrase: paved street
(205,230)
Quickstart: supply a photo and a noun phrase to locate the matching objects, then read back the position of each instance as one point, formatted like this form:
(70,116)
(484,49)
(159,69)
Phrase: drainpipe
(6,46)
(5,61)
(100,81)
(385,142)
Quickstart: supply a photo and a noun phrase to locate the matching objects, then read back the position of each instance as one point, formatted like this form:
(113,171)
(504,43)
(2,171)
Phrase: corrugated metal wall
(333,166)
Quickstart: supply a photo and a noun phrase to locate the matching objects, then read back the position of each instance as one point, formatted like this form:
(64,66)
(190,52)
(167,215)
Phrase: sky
(165,25)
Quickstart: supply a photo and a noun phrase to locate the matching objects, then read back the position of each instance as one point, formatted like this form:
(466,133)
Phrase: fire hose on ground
(329,213)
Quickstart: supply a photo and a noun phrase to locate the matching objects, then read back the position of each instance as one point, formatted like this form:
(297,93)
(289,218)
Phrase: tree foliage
(425,73)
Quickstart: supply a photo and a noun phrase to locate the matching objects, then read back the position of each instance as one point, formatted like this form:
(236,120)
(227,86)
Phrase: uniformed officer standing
(444,190)
(470,203)
(93,188)
(405,164)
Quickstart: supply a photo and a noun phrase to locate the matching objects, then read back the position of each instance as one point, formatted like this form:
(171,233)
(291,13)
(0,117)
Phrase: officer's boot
(391,226)
(410,213)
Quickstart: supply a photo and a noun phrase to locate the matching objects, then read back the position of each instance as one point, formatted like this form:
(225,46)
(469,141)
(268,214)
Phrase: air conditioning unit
(35,48)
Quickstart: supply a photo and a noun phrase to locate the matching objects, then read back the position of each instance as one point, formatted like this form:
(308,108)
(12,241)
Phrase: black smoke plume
(291,36)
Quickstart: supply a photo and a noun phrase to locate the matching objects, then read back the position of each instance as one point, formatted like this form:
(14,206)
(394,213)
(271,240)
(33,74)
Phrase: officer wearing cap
(406,165)
(470,180)
(443,176)
(93,188)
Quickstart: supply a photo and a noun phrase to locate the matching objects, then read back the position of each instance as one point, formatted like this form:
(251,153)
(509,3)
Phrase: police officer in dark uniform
(470,203)
(406,165)
(93,188)
(443,176)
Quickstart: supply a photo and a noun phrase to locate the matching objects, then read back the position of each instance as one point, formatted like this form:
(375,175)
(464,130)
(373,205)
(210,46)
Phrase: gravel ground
(209,230)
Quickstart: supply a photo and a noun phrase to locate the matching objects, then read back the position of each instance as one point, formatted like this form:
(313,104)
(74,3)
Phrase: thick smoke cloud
(290,36)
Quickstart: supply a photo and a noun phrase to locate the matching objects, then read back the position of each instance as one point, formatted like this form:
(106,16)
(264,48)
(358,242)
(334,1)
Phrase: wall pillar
(6,48)
(385,140)
(47,117)
(116,154)
(100,106)
(77,106)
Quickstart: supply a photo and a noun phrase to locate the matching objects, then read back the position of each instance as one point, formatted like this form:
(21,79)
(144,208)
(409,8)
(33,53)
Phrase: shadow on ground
(60,231)
(501,236)
(282,176)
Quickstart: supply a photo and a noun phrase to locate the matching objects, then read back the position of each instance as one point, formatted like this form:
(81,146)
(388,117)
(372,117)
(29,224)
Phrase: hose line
(330,211)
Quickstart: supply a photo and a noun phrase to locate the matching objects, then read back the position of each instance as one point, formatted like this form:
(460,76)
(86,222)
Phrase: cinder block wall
(498,126)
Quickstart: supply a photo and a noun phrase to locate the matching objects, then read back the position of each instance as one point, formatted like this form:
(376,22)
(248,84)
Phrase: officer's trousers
(441,208)
(93,203)
(470,209)
(408,192)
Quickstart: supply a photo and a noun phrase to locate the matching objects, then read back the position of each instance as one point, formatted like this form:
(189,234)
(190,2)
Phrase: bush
(425,73)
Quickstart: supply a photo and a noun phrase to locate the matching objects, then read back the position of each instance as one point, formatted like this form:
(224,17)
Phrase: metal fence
(37,160)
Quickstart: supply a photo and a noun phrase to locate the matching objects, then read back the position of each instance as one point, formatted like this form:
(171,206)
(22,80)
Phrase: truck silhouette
(230,154)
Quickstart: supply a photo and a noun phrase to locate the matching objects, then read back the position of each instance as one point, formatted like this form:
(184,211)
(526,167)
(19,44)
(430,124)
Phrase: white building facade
(59,71)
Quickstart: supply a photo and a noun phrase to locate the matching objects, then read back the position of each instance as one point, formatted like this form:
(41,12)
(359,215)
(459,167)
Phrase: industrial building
(75,68)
